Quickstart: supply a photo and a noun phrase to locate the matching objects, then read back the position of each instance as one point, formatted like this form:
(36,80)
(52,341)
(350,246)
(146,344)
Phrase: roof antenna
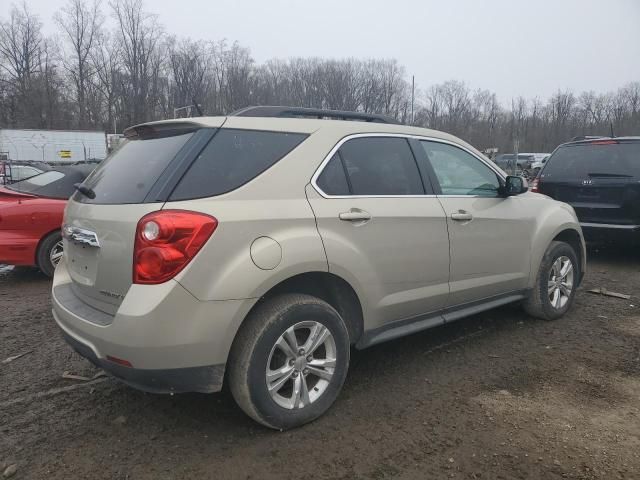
(611,125)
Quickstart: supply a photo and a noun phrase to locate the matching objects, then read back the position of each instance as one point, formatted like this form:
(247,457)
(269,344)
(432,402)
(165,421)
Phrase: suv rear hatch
(160,163)
(599,179)
(100,224)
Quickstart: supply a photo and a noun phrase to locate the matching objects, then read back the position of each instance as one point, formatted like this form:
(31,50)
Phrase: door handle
(355,215)
(461,216)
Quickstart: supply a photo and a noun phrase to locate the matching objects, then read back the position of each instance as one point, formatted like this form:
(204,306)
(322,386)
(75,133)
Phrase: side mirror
(515,186)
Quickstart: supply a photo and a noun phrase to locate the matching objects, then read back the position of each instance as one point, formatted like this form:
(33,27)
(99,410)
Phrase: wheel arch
(569,233)
(329,287)
(573,238)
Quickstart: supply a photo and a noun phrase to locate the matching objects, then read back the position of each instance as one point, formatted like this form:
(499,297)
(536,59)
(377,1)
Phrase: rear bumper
(175,380)
(174,342)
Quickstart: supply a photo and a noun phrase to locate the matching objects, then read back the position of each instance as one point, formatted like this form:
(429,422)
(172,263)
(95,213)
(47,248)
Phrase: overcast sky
(511,47)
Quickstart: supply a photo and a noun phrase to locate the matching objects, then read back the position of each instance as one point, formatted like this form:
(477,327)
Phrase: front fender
(554,219)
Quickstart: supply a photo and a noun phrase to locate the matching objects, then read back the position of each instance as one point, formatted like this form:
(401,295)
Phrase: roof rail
(297,112)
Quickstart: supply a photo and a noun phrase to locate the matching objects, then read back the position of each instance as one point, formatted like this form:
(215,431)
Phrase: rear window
(581,161)
(233,158)
(54,183)
(128,174)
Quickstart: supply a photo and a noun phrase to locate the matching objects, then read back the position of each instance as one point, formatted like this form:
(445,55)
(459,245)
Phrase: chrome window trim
(343,140)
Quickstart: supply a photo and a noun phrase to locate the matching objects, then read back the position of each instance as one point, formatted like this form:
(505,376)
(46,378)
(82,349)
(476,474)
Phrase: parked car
(537,165)
(600,178)
(11,172)
(522,166)
(257,248)
(31,216)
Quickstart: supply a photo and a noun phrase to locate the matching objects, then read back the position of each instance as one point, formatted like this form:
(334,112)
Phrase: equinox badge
(80,235)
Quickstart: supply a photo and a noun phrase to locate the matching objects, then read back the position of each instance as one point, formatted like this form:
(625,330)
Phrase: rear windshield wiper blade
(86,191)
(616,175)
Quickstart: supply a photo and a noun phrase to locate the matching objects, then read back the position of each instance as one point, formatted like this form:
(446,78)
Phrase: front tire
(50,253)
(289,361)
(556,283)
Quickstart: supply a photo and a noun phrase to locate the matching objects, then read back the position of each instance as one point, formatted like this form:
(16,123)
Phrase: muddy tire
(49,253)
(556,283)
(289,361)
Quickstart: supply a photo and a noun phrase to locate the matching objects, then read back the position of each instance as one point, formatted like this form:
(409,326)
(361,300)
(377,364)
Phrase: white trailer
(52,146)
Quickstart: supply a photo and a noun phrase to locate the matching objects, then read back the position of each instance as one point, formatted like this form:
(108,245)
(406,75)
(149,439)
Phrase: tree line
(90,77)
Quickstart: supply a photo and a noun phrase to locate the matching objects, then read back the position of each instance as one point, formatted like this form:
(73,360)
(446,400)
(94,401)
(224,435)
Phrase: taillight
(535,185)
(166,241)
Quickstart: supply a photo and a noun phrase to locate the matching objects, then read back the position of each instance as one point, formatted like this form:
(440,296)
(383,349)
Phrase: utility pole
(516,138)
(516,148)
(413,95)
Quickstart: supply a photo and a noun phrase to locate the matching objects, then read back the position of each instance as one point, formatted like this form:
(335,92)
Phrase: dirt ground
(495,396)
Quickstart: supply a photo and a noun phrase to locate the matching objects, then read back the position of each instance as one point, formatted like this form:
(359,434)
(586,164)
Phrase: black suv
(600,179)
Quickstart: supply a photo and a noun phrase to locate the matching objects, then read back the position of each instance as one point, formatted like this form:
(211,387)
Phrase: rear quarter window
(333,180)
(232,158)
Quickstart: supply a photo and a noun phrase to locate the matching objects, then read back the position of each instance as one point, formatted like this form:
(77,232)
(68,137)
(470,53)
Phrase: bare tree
(80,22)
(106,63)
(139,36)
(138,73)
(20,59)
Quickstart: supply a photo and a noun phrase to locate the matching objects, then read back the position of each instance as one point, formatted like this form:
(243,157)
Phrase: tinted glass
(44,179)
(231,159)
(20,173)
(381,166)
(54,183)
(460,173)
(332,180)
(128,174)
(579,162)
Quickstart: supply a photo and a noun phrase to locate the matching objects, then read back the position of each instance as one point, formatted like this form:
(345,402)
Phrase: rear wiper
(86,191)
(616,175)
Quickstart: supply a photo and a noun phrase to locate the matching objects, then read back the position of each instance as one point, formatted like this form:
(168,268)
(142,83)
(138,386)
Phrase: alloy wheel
(560,283)
(56,253)
(301,365)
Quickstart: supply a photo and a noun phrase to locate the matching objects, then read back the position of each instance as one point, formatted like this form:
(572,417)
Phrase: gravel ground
(498,395)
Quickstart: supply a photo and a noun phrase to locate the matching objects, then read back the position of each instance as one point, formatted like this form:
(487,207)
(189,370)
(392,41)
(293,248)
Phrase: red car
(31,216)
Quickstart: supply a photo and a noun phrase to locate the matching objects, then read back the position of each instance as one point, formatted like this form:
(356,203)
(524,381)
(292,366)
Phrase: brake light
(535,185)
(166,241)
(604,142)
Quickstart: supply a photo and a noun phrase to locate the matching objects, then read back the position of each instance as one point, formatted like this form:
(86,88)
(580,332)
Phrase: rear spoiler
(160,130)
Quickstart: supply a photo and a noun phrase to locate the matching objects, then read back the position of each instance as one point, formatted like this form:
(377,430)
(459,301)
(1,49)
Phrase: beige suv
(256,249)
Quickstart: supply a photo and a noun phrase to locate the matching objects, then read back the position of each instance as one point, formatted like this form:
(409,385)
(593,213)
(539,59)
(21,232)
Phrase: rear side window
(381,166)
(582,161)
(233,158)
(129,173)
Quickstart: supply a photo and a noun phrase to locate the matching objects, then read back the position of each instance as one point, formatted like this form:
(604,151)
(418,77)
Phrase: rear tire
(265,373)
(556,283)
(49,253)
